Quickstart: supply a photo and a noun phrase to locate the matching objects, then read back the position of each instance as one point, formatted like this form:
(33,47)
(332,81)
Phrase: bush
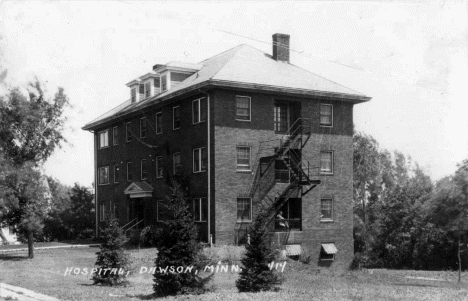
(148,237)
(112,256)
(256,275)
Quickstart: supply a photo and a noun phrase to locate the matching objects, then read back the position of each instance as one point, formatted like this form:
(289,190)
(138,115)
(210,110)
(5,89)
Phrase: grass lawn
(45,274)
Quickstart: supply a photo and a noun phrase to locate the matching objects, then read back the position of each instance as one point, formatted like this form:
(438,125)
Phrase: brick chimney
(281,47)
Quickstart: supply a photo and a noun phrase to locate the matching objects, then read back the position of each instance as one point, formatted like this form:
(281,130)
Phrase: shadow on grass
(8,257)
(143,296)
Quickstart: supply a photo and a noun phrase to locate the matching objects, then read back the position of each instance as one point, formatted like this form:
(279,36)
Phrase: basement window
(328,251)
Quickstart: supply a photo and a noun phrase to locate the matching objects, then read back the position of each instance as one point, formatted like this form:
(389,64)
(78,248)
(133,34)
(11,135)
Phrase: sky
(411,57)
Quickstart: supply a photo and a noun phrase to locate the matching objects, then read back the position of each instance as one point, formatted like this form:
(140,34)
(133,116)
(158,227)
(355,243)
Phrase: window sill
(244,171)
(103,147)
(199,221)
(244,221)
(105,184)
(203,121)
(326,125)
(247,120)
(326,173)
(200,171)
(327,221)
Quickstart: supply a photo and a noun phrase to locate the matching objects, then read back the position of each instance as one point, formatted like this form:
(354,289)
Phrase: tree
(178,247)
(112,260)
(449,207)
(30,130)
(256,275)
(26,198)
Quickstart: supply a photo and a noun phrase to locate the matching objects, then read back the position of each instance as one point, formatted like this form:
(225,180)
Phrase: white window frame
(99,175)
(325,172)
(160,118)
(115,132)
(250,159)
(166,79)
(128,132)
(104,143)
(198,103)
(237,210)
(327,219)
(331,115)
(173,118)
(129,180)
(159,175)
(174,166)
(102,212)
(143,162)
(133,94)
(200,202)
(143,121)
(148,91)
(250,108)
(199,158)
(116,167)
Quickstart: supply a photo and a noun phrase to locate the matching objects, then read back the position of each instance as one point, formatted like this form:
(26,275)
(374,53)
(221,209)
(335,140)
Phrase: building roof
(249,68)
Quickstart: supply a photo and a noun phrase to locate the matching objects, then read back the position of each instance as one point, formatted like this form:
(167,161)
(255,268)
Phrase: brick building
(248,131)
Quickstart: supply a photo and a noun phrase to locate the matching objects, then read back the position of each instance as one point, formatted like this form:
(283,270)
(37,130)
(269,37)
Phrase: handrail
(133,226)
(128,223)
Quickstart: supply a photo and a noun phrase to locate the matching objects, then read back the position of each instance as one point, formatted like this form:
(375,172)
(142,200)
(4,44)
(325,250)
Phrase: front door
(137,210)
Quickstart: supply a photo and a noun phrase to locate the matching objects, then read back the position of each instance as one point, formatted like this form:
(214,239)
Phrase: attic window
(133,95)
(142,89)
(157,83)
(147,89)
(163,83)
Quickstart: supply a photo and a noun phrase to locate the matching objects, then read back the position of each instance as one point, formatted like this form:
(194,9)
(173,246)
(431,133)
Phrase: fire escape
(271,187)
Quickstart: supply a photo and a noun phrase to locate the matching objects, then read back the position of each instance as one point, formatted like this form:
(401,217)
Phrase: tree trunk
(30,245)
(3,237)
(459,260)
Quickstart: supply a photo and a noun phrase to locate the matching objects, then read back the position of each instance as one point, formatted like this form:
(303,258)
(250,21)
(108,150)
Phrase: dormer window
(163,83)
(133,95)
(147,89)
(141,91)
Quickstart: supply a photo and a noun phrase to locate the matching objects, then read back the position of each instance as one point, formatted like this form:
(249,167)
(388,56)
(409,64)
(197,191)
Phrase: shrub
(112,260)
(256,275)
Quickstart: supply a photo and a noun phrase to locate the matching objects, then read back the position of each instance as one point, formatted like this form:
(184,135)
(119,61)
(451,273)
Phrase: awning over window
(139,190)
(293,250)
(329,248)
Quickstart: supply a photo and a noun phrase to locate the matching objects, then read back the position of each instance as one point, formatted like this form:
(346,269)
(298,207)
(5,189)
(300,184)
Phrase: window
(159,167)
(104,139)
(133,95)
(129,172)
(289,217)
(104,175)
(141,90)
(281,118)
(244,209)
(199,159)
(159,123)
(147,89)
(176,163)
(326,115)
(144,169)
(200,209)
(163,83)
(243,108)
(116,173)
(102,213)
(143,127)
(157,83)
(199,110)
(115,135)
(326,162)
(243,158)
(128,133)
(175,118)
(326,209)
(328,251)
(163,212)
